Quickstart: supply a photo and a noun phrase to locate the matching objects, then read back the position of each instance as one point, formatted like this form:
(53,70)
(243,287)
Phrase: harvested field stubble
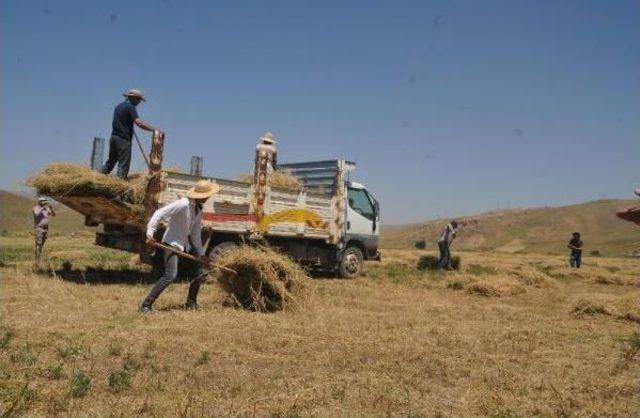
(623,308)
(266,280)
(495,287)
(395,345)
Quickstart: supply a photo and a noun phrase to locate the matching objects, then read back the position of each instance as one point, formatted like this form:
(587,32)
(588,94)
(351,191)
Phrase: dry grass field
(509,335)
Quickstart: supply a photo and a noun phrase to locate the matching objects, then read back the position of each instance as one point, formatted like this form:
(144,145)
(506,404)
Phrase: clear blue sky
(449,107)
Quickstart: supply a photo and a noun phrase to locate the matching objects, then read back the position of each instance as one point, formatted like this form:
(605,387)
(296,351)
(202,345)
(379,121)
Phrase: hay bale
(63,179)
(280,178)
(266,281)
(430,262)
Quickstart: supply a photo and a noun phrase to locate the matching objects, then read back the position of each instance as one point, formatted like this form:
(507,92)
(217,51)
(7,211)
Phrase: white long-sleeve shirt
(448,234)
(184,225)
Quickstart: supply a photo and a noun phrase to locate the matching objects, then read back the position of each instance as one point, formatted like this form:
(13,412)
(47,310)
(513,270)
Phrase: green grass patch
(54,372)
(430,262)
(69,351)
(455,285)
(80,385)
(203,359)
(479,270)
(131,364)
(26,355)
(120,380)
(5,340)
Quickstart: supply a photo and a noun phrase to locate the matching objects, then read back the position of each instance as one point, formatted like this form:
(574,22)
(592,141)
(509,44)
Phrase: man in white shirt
(267,147)
(184,226)
(444,244)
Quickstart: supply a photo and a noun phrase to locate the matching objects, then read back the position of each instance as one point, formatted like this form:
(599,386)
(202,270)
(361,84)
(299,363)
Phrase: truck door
(360,213)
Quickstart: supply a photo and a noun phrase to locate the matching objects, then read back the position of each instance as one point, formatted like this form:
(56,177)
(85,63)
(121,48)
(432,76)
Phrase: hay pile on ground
(280,178)
(625,308)
(266,281)
(495,287)
(430,262)
(63,179)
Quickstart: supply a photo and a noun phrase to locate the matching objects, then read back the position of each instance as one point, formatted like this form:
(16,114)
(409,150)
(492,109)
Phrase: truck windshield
(359,201)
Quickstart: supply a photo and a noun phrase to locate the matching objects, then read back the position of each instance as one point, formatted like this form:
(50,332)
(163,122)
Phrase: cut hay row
(266,281)
(62,179)
(281,178)
(495,287)
(626,308)
(430,262)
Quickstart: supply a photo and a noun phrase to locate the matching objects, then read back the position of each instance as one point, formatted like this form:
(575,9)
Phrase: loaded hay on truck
(328,222)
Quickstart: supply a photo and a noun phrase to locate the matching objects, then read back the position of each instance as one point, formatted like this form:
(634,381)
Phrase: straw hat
(268,138)
(203,189)
(134,93)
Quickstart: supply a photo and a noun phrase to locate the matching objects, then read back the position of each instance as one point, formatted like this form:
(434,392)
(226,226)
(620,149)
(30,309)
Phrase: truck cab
(362,230)
(362,220)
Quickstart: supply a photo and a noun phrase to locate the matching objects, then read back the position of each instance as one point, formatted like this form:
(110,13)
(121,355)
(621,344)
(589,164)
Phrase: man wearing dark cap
(575,245)
(124,116)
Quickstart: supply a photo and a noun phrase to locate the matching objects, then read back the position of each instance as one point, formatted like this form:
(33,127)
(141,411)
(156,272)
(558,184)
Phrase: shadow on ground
(103,276)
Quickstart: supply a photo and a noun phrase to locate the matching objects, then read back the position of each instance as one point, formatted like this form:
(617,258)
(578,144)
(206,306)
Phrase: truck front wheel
(351,263)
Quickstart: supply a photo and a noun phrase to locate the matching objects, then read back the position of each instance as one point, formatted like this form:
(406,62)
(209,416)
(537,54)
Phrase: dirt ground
(508,335)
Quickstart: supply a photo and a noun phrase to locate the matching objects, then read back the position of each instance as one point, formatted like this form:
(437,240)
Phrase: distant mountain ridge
(538,230)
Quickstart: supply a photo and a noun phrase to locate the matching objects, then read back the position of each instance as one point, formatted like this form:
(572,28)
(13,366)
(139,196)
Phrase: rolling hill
(537,230)
(15,215)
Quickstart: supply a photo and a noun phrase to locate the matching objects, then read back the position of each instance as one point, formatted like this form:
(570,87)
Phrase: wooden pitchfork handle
(144,155)
(192,257)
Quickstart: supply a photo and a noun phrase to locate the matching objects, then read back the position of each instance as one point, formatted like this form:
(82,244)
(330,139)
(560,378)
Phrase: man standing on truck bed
(41,213)
(267,147)
(184,226)
(444,244)
(124,116)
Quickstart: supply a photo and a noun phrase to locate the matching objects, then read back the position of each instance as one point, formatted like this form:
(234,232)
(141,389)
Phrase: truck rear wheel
(351,263)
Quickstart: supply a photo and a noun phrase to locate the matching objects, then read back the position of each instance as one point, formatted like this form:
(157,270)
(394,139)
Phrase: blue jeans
(119,152)
(196,272)
(576,259)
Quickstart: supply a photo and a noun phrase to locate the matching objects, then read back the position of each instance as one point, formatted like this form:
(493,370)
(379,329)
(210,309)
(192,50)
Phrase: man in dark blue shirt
(125,116)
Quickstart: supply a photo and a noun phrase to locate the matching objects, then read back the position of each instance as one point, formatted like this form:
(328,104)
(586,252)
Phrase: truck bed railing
(317,175)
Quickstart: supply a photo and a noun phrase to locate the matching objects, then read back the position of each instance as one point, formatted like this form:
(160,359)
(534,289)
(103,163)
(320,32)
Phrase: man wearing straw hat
(184,226)
(267,145)
(124,116)
(41,213)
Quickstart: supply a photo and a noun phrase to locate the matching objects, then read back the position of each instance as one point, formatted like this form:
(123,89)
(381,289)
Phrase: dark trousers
(445,255)
(576,259)
(196,272)
(119,152)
